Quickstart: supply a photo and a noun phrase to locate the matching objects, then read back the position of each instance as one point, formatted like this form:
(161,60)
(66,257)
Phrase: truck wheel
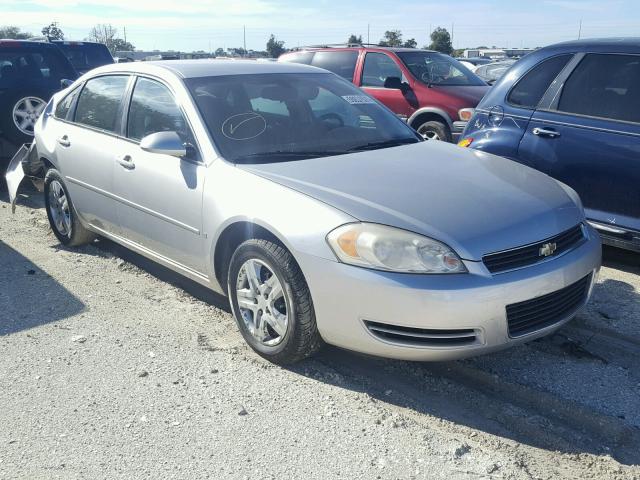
(271,302)
(434,130)
(19,115)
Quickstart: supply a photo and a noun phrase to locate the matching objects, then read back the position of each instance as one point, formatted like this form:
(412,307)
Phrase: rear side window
(153,109)
(529,90)
(63,107)
(606,86)
(341,63)
(377,68)
(99,102)
(19,68)
(298,57)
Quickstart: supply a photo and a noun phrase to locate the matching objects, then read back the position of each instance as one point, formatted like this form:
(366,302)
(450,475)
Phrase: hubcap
(59,209)
(429,134)
(26,112)
(262,302)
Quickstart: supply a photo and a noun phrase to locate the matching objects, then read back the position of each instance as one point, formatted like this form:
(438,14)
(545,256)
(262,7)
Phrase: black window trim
(552,105)
(118,130)
(72,108)
(532,109)
(127,105)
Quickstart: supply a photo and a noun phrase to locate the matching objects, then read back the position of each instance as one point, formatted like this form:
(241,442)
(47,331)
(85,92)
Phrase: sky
(189,25)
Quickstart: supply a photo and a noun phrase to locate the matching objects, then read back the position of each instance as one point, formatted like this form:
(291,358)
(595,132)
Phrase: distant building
(141,55)
(497,52)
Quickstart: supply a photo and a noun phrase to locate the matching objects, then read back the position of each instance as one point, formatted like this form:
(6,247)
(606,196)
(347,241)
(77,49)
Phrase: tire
(434,130)
(61,213)
(20,105)
(299,338)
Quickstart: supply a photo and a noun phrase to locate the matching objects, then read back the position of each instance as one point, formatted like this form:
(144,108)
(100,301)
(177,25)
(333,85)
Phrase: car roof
(622,44)
(327,48)
(8,42)
(207,68)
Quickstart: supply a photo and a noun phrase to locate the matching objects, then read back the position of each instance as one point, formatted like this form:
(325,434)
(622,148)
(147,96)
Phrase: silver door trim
(129,203)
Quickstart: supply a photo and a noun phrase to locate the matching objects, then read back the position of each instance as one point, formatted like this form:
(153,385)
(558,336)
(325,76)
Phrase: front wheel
(271,302)
(434,130)
(62,216)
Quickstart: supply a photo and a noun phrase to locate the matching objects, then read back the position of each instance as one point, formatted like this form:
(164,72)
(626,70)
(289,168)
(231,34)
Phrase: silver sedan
(320,214)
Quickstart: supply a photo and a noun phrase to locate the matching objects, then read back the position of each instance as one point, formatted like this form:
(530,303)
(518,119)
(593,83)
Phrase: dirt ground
(112,367)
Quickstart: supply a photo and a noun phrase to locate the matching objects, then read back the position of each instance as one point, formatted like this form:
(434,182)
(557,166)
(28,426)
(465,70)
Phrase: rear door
(160,196)
(588,136)
(376,69)
(87,145)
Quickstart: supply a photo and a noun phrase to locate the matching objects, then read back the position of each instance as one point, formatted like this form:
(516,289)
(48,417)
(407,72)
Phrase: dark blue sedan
(572,110)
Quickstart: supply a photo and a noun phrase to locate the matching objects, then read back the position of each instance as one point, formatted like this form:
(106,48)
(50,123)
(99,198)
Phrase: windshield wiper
(286,155)
(384,144)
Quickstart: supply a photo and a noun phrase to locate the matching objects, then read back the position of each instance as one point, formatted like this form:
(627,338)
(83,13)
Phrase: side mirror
(66,83)
(166,143)
(397,84)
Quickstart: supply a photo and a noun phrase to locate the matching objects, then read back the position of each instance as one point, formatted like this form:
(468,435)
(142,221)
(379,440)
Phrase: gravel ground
(112,367)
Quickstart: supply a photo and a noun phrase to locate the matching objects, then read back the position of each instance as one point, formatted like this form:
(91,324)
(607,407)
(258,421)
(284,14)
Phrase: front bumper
(345,297)
(457,130)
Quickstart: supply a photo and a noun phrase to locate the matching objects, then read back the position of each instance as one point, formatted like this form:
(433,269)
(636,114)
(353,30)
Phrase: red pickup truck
(433,92)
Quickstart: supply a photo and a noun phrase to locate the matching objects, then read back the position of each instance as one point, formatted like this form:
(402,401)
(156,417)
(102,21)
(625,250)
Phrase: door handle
(64,141)
(127,162)
(545,132)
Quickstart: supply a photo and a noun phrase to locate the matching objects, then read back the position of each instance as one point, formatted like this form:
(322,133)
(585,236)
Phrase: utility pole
(580,29)
(452,34)
(368,32)
(125,34)
(244,37)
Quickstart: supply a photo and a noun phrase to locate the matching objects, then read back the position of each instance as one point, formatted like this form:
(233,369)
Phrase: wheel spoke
(277,321)
(251,271)
(247,300)
(21,114)
(39,108)
(275,289)
(28,105)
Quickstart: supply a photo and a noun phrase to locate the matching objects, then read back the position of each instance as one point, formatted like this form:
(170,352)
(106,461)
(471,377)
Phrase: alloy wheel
(428,134)
(59,208)
(26,113)
(262,302)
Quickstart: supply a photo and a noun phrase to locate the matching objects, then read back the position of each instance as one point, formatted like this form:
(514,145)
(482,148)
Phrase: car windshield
(286,116)
(86,55)
(435,68)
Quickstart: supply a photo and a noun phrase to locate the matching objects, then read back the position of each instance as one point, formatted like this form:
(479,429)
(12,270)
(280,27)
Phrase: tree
(53,32)
(354,39)
(106,34)
(411,43)
(14,33)
(392,38)
(220,52)
(275,48)
(441,41)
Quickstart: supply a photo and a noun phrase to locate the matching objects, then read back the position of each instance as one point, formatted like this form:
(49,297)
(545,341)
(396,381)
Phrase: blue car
(572,111)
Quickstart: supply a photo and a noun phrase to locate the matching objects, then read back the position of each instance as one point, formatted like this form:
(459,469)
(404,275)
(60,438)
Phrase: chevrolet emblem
(547,249)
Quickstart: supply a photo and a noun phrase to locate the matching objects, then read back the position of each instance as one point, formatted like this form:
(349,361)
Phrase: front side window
(63,107)
(287,116)
(377,68)
(433,68)
(606,86)
(341,63)
(531,87)
(153,109)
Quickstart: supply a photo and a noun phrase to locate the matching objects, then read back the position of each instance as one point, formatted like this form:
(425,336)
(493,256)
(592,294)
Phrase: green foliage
(275,47)
(411,43)
(355,39)
(14,33)
(107,35)
(53,32)
(392,38)
(441,41)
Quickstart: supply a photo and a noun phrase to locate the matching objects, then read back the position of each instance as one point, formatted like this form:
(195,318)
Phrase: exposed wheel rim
(26,113)
(262,302)
(59,209)
(428,134)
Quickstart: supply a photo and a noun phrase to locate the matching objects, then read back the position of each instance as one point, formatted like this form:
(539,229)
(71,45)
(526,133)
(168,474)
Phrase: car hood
(475,202)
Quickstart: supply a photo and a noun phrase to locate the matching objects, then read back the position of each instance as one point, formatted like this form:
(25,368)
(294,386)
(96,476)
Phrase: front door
(589,138)
(160,207)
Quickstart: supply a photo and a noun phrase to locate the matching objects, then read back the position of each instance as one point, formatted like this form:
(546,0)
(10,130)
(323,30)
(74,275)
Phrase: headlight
(465,114)
(387,248)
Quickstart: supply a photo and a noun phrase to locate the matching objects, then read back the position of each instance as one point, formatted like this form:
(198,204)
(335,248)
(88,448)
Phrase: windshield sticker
(358,99)
(244,126)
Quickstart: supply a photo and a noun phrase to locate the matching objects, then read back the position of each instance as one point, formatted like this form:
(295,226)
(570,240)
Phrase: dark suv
(572,110)
(30,72)
(432,92)
(85,56)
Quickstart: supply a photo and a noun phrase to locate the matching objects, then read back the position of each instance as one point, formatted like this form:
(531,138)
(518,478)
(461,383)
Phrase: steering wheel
(426,77)
(330,118)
